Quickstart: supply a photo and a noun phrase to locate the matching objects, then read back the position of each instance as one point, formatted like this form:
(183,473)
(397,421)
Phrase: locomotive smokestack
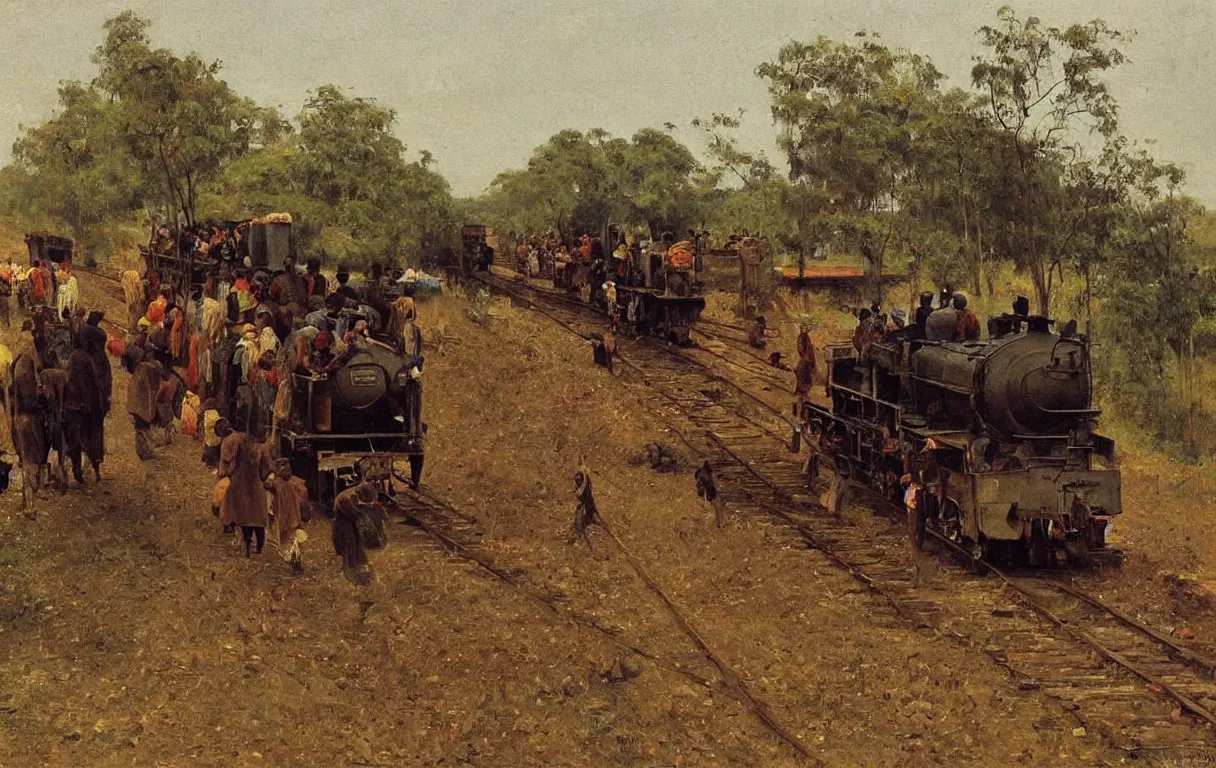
(1038,324)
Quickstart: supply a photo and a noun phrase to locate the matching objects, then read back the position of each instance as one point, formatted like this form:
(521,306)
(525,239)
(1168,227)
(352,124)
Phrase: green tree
(1042,85)
(179,120)
(345,177)
(581,182)
(853,121)
(74,166)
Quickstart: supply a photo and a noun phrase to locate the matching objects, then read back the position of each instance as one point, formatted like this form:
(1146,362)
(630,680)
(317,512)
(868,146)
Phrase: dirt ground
(135,633)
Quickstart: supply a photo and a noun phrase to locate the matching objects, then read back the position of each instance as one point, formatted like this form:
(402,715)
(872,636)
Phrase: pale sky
(480,84)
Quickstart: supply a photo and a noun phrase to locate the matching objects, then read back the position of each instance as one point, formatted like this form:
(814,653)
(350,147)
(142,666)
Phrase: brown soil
(135,633)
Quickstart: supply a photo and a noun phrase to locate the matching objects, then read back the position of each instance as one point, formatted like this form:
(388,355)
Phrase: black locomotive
(476,255)
(375,417)
(1000,432)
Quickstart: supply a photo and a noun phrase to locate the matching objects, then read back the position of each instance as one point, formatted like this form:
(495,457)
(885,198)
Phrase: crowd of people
(950,320)
(218,365)
(223,360)
(591,267)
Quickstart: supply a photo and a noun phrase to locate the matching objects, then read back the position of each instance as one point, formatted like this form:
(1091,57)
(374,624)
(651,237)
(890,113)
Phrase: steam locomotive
(375,417)
(1000,432)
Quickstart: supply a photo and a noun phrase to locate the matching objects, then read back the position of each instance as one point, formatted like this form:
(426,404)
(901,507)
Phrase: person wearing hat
(344,289)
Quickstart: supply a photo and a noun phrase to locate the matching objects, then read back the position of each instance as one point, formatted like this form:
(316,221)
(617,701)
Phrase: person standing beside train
(921,318)
(805,370)
(246,464)
(407,337)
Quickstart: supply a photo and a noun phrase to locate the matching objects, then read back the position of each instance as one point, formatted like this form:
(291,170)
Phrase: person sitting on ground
(603,349)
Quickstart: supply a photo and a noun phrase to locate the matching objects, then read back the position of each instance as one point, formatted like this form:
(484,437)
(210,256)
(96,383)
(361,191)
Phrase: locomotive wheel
(415,471)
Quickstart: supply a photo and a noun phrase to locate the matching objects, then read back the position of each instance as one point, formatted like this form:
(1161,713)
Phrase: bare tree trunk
(979,253)
(972,257)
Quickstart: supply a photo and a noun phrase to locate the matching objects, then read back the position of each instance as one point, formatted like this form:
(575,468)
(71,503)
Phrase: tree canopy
(165,133)
(580,182)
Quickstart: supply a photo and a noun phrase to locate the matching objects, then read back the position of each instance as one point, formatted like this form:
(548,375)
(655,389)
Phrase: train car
(1003,433)
(475,252)
(268,242)
(661,296)
(375,423)
(665,298)
(43,247)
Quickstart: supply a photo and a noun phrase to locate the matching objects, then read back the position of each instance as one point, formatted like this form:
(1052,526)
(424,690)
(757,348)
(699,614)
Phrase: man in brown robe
(349,510)
(246,464)
(804,371)
(290,496)
(83,415)
(142,392)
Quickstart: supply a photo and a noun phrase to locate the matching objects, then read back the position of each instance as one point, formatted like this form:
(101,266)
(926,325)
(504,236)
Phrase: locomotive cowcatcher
(1000,432)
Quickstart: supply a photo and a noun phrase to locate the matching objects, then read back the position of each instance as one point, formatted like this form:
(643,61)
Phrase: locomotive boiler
(1000,433)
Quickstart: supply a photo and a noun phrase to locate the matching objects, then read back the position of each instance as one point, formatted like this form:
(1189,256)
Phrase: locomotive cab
(49,248)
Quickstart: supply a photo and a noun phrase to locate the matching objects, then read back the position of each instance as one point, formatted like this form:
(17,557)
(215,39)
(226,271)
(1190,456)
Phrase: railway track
(459,535)
(1140,689)
(114,291)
